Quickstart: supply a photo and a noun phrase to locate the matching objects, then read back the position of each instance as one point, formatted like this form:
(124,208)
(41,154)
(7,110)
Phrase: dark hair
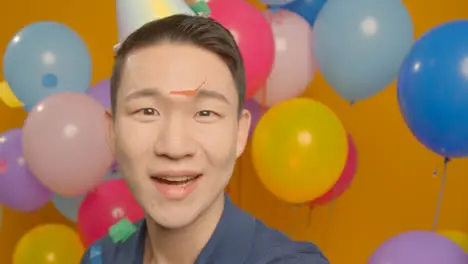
(200,31)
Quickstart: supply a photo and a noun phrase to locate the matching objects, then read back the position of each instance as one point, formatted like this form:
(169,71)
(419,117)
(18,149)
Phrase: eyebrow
(154,92)
(202,93)
(142,93)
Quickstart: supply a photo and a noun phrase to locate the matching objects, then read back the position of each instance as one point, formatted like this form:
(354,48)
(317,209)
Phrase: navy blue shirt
(239,238)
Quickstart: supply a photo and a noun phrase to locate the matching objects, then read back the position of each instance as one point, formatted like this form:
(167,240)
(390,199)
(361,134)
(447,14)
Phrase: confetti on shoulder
(122,230)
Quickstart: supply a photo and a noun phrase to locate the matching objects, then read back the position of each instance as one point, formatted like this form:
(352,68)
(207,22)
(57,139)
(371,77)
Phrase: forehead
(175,66)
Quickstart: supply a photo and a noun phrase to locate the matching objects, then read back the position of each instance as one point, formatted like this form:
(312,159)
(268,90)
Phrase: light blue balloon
(68,206)
(45,58)
(360,45)
(113,174)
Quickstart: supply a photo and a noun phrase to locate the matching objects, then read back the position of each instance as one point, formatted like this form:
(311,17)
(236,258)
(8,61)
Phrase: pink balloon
(253,36)
(293,67)
(109,203)
(64,143)
(346,178)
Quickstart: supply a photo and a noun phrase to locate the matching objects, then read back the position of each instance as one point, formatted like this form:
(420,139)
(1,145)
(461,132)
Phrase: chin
(172,222)
(173,218)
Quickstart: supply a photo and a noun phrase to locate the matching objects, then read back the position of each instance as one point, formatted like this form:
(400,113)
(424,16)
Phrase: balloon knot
(49,80)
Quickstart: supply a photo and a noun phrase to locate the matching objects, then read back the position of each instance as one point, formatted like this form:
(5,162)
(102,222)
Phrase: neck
(184,245)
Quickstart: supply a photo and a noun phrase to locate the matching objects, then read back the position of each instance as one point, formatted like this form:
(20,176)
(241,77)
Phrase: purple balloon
(19,189)
(256,110)
(419,247)
(101,92)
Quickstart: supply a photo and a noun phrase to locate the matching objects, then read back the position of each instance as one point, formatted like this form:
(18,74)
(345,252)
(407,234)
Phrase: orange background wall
(393,191)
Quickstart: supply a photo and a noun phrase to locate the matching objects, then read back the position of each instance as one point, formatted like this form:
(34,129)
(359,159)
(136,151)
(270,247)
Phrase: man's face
(176,133)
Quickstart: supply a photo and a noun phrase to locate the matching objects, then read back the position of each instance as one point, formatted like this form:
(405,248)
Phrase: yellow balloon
(299,149)
(458,237)
(7,96)
(49,244)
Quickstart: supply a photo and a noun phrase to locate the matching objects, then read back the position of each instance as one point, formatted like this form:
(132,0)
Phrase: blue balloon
(360,45)
(45,58)
(307,9)
(433,89)
(68,206)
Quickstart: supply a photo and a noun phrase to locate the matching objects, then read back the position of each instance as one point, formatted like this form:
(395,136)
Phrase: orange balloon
(299,150)
(49,244)
(259,5)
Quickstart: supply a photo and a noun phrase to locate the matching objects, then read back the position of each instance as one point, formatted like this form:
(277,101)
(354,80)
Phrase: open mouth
(176,181)
(175,185)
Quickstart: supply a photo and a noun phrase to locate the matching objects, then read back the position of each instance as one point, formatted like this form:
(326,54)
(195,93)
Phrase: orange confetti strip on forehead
(189,92)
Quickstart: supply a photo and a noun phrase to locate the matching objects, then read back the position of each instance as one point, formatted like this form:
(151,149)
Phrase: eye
(148,112)
(206,116)
(205,113)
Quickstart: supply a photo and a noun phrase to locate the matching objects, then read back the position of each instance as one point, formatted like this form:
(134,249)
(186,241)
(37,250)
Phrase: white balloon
(293,68)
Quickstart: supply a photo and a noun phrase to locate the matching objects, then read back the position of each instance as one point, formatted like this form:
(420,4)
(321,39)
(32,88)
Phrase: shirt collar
(229,244)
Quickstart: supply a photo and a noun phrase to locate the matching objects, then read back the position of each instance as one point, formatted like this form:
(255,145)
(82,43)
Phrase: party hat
(132,14)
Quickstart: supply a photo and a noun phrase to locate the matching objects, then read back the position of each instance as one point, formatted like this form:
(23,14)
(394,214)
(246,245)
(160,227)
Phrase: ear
(243,131)
(110,130)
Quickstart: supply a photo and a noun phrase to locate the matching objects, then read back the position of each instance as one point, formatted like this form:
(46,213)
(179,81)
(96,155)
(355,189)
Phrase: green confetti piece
(201,8)
(122,230)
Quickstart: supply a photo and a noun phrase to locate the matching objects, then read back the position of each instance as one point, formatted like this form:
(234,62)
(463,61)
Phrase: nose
(174,141)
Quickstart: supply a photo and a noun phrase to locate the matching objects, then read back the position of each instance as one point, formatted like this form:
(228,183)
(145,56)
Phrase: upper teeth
(182,178)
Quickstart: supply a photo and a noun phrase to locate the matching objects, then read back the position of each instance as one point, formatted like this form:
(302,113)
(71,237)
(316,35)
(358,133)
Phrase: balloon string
(294,229)
(309,218)
(441,194)
(35,218)
(351,103)
(332,203)
(264,99)
(330,217)
(275,212)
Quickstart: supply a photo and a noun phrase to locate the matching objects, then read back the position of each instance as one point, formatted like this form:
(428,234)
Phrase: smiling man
(177,127)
